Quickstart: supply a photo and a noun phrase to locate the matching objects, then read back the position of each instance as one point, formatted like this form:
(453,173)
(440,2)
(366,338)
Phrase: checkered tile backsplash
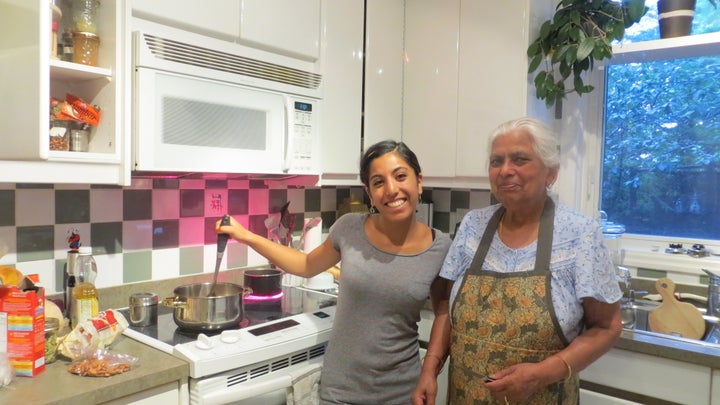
(164,228)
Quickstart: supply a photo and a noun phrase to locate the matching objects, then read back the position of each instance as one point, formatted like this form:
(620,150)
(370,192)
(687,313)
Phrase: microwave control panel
(304,140)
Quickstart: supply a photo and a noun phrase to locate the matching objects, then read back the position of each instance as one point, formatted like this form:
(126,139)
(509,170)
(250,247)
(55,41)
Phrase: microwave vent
(179,52)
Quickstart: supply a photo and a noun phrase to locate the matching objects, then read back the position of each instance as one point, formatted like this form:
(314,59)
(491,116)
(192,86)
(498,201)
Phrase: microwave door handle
(287,138)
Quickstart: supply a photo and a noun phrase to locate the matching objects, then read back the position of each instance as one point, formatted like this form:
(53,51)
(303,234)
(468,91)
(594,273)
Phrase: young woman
(389,263)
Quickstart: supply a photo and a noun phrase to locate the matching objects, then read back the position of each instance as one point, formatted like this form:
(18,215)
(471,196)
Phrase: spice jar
(85,48)
(52,325)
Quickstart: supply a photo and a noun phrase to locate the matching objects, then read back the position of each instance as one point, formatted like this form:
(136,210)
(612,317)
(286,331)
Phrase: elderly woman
(530,295)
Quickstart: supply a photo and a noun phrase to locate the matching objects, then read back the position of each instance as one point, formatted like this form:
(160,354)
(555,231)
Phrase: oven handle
(245,391)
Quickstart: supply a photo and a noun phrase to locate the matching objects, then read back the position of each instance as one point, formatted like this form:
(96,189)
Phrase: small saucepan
(196,311)
(263,282)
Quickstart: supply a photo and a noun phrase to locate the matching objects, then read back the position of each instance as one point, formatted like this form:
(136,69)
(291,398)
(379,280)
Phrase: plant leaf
(586,47)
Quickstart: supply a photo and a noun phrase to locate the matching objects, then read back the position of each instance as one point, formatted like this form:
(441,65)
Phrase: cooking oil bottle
(85,295)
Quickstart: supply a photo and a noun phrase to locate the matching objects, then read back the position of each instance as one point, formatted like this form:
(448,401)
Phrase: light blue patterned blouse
(580,263)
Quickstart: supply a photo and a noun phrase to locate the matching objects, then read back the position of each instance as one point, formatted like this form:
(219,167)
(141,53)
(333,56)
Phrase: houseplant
(580,32)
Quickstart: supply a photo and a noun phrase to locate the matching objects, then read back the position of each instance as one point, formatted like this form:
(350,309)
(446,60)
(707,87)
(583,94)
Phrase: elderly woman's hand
(516,383)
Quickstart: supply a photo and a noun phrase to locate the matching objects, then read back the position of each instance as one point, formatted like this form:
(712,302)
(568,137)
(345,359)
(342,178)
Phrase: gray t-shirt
(372,356)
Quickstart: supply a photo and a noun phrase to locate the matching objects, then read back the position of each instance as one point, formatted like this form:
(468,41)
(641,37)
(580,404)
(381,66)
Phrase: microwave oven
(205,105)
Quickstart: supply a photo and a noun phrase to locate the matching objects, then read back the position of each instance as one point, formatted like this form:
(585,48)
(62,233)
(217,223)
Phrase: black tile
(328,218)
(7,207)
(105,186)
(137,204)
(342,195)
(106,238)
(192,203)
(72,206)
(33,185)
(238,202)
(426,195)
(210,237)
(312,199)
(459,199)
(166,234)
(256,223)
(215,183)
(277,199)
(258,184)
(441,221)
(35,243)
(166,184)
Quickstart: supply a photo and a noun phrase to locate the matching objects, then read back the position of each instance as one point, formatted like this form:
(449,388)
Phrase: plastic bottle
(85,295)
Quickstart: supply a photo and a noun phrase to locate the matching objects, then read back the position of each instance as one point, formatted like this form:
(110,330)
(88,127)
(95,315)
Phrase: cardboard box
(22,327)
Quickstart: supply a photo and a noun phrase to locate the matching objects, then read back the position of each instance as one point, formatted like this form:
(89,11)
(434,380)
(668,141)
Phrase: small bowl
(323,281)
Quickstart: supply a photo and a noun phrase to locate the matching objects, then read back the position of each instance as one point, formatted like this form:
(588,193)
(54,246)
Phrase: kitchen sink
(640,310)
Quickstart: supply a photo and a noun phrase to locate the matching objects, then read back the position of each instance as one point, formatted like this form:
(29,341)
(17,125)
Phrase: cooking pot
(196,311)
(263,282)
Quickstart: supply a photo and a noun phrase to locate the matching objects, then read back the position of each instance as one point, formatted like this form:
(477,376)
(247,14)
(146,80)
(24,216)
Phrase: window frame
(645,251)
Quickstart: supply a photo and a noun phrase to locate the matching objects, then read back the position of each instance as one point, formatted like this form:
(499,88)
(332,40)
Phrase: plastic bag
(102,363)
(7,372)
(97,332)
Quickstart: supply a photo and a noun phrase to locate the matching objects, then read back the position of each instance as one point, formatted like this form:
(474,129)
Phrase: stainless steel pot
(263,282)
(196,311)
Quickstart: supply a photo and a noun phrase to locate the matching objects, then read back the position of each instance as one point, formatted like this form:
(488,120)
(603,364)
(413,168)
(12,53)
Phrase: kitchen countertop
(56,385)
(702,354)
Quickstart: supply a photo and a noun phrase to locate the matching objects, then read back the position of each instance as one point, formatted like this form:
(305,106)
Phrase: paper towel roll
(313,236)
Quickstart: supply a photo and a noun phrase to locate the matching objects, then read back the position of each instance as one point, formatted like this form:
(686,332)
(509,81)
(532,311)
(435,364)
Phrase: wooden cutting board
(675,317)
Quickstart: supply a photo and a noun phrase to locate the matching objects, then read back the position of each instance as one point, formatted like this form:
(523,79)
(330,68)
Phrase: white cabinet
(215,18)
(652,376)
(382,109)
(170,393)
(465,73)
(342,71)
(286,27)
(30,77)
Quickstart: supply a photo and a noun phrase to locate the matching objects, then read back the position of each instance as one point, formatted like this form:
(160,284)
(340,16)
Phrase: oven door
(251,386)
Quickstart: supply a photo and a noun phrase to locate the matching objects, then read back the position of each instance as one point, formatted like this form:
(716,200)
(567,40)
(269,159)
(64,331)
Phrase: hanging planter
(675,17)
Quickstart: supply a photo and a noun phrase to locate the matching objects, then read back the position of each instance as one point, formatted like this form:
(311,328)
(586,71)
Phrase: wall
(159,228)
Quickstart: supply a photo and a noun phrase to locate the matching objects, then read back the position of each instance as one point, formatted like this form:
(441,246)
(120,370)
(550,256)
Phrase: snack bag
(102,363)
(96,333)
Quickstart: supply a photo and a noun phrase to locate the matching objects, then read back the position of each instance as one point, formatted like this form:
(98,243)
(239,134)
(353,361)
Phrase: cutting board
(675,317)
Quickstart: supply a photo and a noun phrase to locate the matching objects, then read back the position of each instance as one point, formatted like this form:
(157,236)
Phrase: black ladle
(221,243)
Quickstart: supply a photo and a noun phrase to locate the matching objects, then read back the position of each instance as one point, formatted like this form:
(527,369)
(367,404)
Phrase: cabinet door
(382,108)
(492,76)
(24,79)
(289,27)
(342,67)
(30,77)
(430,85)
(216,18)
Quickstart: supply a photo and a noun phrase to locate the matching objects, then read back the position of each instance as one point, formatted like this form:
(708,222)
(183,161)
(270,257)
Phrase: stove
(278,335)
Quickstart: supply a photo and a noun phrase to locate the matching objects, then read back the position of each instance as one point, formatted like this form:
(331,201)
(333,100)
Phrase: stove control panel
(238,348)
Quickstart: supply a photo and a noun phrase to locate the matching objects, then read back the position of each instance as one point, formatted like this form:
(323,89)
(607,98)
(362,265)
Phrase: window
(661,143)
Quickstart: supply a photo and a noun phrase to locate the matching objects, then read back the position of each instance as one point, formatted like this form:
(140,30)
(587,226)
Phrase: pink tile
(137,235)
(192,231)
(216,202)
(259,201)
(106,205)
(166,204)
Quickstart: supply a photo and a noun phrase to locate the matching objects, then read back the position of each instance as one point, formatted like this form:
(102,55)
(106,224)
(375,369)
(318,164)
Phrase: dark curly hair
(382,148)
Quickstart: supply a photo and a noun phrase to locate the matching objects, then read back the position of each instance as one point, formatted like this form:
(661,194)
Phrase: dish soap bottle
(85,295)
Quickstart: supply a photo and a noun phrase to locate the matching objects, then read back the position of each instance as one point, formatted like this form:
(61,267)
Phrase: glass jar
(84,15)
(85,48)
(59,135)
(52,325)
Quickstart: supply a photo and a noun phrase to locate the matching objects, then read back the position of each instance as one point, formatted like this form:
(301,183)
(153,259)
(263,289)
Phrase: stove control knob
(204,342)
(230,336)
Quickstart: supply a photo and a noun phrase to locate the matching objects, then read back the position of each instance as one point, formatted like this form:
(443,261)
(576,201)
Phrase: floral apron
(502,319)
